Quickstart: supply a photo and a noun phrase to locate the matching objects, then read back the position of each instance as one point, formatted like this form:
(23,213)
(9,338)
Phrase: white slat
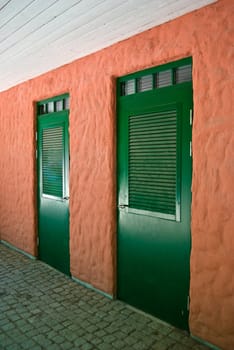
(11,10)
(51,30)
(19,36)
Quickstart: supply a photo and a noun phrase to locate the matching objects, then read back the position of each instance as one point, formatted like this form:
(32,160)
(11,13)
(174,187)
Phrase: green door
(53,183)
(154,190)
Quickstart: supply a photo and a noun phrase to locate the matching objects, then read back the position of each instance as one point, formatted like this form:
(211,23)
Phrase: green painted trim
(53,99)
(204,342)
(9,245)
(89,286)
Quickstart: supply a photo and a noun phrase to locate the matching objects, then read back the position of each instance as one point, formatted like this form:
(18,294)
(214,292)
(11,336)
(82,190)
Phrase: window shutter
(52,161)
(153,162)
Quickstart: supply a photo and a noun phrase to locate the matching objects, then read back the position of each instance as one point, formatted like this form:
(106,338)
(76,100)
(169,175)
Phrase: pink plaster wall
(207,35)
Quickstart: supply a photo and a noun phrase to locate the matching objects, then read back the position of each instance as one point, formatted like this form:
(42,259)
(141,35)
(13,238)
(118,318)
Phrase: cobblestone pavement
(40,308)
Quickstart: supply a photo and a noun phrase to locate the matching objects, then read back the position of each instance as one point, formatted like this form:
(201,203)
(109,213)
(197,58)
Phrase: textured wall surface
(207,35)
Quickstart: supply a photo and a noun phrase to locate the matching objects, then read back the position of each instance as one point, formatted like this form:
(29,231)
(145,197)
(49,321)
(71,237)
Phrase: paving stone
(51,334)
(103,346)
(86,346)
(178,346)
(42,309)
(20,323)
(188,341)
(52,347)
(8,326)
(109,339)
(26,328)
(92,329)
(100,333)
(58,327)
(200,347)
(32,333)
(42,340)
(140,346)
(128,329)
(3,322)
(28,344)
(164,344)
(66,345)
(79,342)
(14,317)
(95,341)
(130,341)
(21,339)
(71,336)
(58,339)
(43,329)
(5,341)
(12,347)
(118,344)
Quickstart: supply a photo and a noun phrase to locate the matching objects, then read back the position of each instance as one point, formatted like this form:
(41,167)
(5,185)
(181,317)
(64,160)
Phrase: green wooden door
(154,190)
(53,184)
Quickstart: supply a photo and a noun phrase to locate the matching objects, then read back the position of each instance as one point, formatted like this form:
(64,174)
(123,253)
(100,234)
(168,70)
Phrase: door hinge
(37,240)
(188,303)
(190,148)
(36,136)
(122,206)
(191,117)
(36,153)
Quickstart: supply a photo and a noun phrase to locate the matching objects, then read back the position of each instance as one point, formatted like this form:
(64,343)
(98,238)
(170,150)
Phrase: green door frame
(134,100)
(53,181)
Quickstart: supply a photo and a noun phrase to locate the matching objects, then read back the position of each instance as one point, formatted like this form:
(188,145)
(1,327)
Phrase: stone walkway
(40,308)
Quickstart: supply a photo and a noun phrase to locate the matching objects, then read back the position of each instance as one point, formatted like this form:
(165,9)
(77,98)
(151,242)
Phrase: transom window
(153,79)
(56,104)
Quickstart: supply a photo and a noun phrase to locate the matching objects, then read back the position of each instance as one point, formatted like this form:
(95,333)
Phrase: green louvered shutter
(52,161)
(153,163)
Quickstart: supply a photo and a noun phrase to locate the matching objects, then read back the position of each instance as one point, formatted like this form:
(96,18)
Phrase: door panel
(154,199)
(53,192)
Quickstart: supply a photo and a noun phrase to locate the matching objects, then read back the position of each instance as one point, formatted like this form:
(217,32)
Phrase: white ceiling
(39,35)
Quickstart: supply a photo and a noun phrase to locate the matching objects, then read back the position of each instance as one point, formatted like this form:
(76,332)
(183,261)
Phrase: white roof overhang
(39,35)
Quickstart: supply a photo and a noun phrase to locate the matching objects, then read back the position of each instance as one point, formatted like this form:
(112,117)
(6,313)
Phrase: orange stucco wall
(207,35)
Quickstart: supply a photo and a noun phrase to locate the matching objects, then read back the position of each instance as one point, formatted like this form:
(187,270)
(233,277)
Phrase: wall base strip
(203,342)
(89,286)
(11,246)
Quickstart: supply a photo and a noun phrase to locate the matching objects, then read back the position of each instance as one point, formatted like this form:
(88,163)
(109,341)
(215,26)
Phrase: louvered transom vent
(183,74)
(145,83)
(152,162)
(156,80)
(52,161)
(55,105)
